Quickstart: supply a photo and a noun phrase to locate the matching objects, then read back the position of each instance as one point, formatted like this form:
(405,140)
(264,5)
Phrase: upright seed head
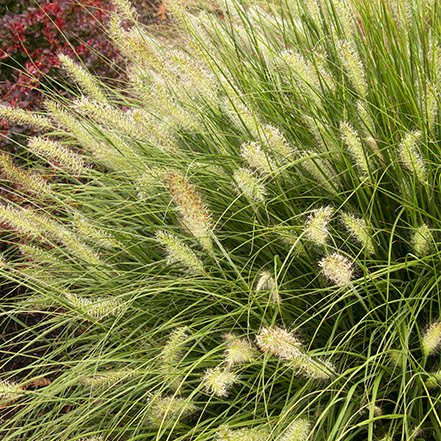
(358,228)
(411,157)
(431,101)
(354,67)
(178,252)
(266,282)
(238,351)
(81,76)
(298,430)
(257,158)
(316,225)
(218,381)
(194,212)
(352,141)
(249,185)
(422,240)
(432,338)
(172,351)
(338,269)
(277,144)
(279,342)
(321,170)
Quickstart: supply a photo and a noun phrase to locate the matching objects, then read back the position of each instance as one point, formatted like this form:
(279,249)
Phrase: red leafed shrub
(32,34)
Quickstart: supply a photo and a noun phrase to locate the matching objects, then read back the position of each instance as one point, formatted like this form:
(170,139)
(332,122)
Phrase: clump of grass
(242,243)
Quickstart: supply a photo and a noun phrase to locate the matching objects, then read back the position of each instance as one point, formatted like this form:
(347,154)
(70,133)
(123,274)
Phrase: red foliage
(31,39)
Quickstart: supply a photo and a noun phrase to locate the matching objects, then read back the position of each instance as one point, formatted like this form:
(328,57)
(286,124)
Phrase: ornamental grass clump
(241,242)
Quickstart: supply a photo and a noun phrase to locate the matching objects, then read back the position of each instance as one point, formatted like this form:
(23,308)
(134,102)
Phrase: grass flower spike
(298,430)
(410,156)
(195,215)
(237,240)
(10,391)
(338,269)
(316,226)
(218,381)
(178,252)
(238,351)
(432,339)
(254,434)
(422,240)
(279,342)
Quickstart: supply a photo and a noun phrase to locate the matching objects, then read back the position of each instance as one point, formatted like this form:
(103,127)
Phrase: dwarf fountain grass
(238,351)
(249,224)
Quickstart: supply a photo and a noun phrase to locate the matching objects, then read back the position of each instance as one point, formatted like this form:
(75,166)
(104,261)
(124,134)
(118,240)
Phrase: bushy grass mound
(240,245)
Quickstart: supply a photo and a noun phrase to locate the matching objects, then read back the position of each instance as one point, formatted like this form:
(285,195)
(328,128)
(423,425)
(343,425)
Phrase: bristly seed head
(253,434)
(358,228)
(422,240)
(432,338)
(10,391)
(411,157)
(338,269)
(218,381)
(279,342)
(316,226)
(249,185)
(298,430)
(238,351)
(179,252)
(194,212)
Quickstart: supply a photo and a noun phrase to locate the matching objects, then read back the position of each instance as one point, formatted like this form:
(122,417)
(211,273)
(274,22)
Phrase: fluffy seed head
(279,342)
(338,269)
(167,411)
(257,158)
(358,228)
(26,117)
(99,308)
(107,379)
(10,391)
(321,171)
(249,185)
(218,381)
(410,156)
(316,226)
(422,240)
(172,351)
(81,76)
(433,381)
(58,155)
(238,351)
(298,430)
(195,214)
(432,338)
(266,282)
(315,369)
(21,178)
(178,252)
(353,144)
(277,144)
(354,67)
(254,434)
